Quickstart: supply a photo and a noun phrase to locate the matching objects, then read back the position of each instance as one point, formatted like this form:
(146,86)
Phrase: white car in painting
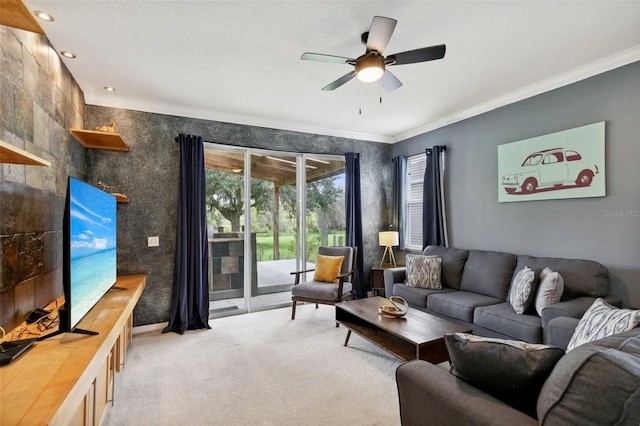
(559,167)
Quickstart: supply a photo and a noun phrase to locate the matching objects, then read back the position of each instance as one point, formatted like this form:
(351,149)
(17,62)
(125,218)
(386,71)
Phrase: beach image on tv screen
(93,246)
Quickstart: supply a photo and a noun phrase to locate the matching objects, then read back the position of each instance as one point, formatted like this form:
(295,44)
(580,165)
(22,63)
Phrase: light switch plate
(153,241)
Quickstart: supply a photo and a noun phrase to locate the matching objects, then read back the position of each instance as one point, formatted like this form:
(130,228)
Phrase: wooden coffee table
(417,335)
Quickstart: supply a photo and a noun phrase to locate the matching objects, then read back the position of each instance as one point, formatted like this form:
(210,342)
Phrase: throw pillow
(550,289)
(521,294)
(328,268)
(510,370)
(602,320)
(423,271)
(595,384)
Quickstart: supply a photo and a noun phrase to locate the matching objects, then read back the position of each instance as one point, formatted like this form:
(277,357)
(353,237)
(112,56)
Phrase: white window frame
(413,200)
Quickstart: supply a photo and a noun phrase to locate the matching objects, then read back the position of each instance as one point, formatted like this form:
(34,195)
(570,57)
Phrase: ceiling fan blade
(319,57)
(419,55)
(339,82)
(389,82)
(380,33)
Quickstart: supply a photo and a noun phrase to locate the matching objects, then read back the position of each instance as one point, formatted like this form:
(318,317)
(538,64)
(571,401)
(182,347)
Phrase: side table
(377,278)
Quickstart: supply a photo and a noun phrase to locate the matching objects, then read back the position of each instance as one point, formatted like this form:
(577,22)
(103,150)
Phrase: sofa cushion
(488,273)
(522,292)
(459,304)
(595,384)
(512,371)
(320,290)
(581,277)
(504,320)
(416,296)
(602,320)
(423,271)
(453,261)
(550,289)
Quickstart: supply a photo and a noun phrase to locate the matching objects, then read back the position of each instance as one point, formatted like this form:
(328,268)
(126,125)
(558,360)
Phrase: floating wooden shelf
(120,198)
(16,14)
(14,155)
(100,140)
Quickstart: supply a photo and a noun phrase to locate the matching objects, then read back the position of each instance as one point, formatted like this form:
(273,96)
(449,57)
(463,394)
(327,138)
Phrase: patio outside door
(252,255)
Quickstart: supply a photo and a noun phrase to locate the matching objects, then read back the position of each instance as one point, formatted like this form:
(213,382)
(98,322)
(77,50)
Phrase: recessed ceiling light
(67,54)
(44,16)
(109,89)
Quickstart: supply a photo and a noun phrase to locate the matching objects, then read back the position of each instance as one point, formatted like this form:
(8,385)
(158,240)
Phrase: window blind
(414,182)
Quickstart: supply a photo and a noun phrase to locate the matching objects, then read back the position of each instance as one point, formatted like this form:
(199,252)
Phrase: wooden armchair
(327,293)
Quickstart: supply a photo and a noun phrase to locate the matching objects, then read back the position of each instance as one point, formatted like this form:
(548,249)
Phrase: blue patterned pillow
(521,294)
(602,320)
(423,271)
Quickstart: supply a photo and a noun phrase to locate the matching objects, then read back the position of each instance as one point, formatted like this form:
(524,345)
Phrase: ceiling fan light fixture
(370,67)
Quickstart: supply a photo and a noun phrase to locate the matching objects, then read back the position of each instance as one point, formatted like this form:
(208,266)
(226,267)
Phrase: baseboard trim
(149,327)
(160,326)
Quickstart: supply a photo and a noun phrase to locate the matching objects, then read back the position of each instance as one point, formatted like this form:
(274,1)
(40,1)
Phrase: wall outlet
(153,241)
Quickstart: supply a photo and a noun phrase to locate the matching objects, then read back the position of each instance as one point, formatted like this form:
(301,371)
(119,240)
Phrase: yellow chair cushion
(328,268)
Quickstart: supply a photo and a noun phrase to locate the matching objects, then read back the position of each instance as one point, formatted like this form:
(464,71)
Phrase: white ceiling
(239,61)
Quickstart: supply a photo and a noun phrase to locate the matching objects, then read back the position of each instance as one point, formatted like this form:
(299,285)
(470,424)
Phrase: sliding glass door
(268,212)
(226,189)
(325,220)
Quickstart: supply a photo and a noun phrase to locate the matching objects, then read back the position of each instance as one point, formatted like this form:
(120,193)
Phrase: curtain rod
(269,149)
(176,139)
(442,147)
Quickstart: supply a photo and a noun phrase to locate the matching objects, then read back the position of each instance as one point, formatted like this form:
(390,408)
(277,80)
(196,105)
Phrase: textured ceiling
(239,61)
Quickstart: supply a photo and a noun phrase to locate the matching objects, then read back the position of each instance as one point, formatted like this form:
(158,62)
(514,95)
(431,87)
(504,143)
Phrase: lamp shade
(388,238)
(370,67)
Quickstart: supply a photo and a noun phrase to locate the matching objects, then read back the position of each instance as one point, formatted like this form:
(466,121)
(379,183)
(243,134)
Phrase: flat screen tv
(89,253)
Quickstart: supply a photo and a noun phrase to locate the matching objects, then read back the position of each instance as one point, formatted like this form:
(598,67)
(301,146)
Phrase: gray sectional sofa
(596,383)
(475,288)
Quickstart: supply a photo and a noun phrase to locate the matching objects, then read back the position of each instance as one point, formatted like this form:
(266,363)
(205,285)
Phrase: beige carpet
(257,369)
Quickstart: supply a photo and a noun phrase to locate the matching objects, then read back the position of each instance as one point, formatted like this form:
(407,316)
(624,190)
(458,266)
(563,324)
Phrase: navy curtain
(397,215)
(434,230)
(354,219)
(190,296)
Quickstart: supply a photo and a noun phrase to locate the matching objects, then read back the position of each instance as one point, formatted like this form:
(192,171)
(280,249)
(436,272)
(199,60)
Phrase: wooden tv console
(68,379)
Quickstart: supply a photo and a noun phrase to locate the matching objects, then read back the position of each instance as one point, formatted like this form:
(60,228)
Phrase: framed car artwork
(566,164)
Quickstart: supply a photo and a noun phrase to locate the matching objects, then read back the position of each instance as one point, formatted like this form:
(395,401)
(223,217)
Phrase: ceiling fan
(372,65)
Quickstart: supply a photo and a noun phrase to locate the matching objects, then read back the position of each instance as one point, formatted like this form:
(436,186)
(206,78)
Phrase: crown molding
(188,112)
(598,67)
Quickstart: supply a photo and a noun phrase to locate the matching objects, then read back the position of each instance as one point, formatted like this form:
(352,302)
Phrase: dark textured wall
(39,101)
(148,175)
(605,229)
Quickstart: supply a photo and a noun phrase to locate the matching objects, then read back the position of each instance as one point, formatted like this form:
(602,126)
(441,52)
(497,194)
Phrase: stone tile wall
(226,260)
(39,102)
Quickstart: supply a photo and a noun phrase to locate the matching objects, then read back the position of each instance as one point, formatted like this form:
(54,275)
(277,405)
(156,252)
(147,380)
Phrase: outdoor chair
(332,280)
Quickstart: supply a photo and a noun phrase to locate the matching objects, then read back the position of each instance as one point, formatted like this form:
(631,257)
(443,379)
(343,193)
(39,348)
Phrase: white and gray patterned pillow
(550,289)
(521,294)
(423,271)
(602,320)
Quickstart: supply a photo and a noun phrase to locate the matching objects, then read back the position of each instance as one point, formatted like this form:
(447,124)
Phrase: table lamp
(387,239)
